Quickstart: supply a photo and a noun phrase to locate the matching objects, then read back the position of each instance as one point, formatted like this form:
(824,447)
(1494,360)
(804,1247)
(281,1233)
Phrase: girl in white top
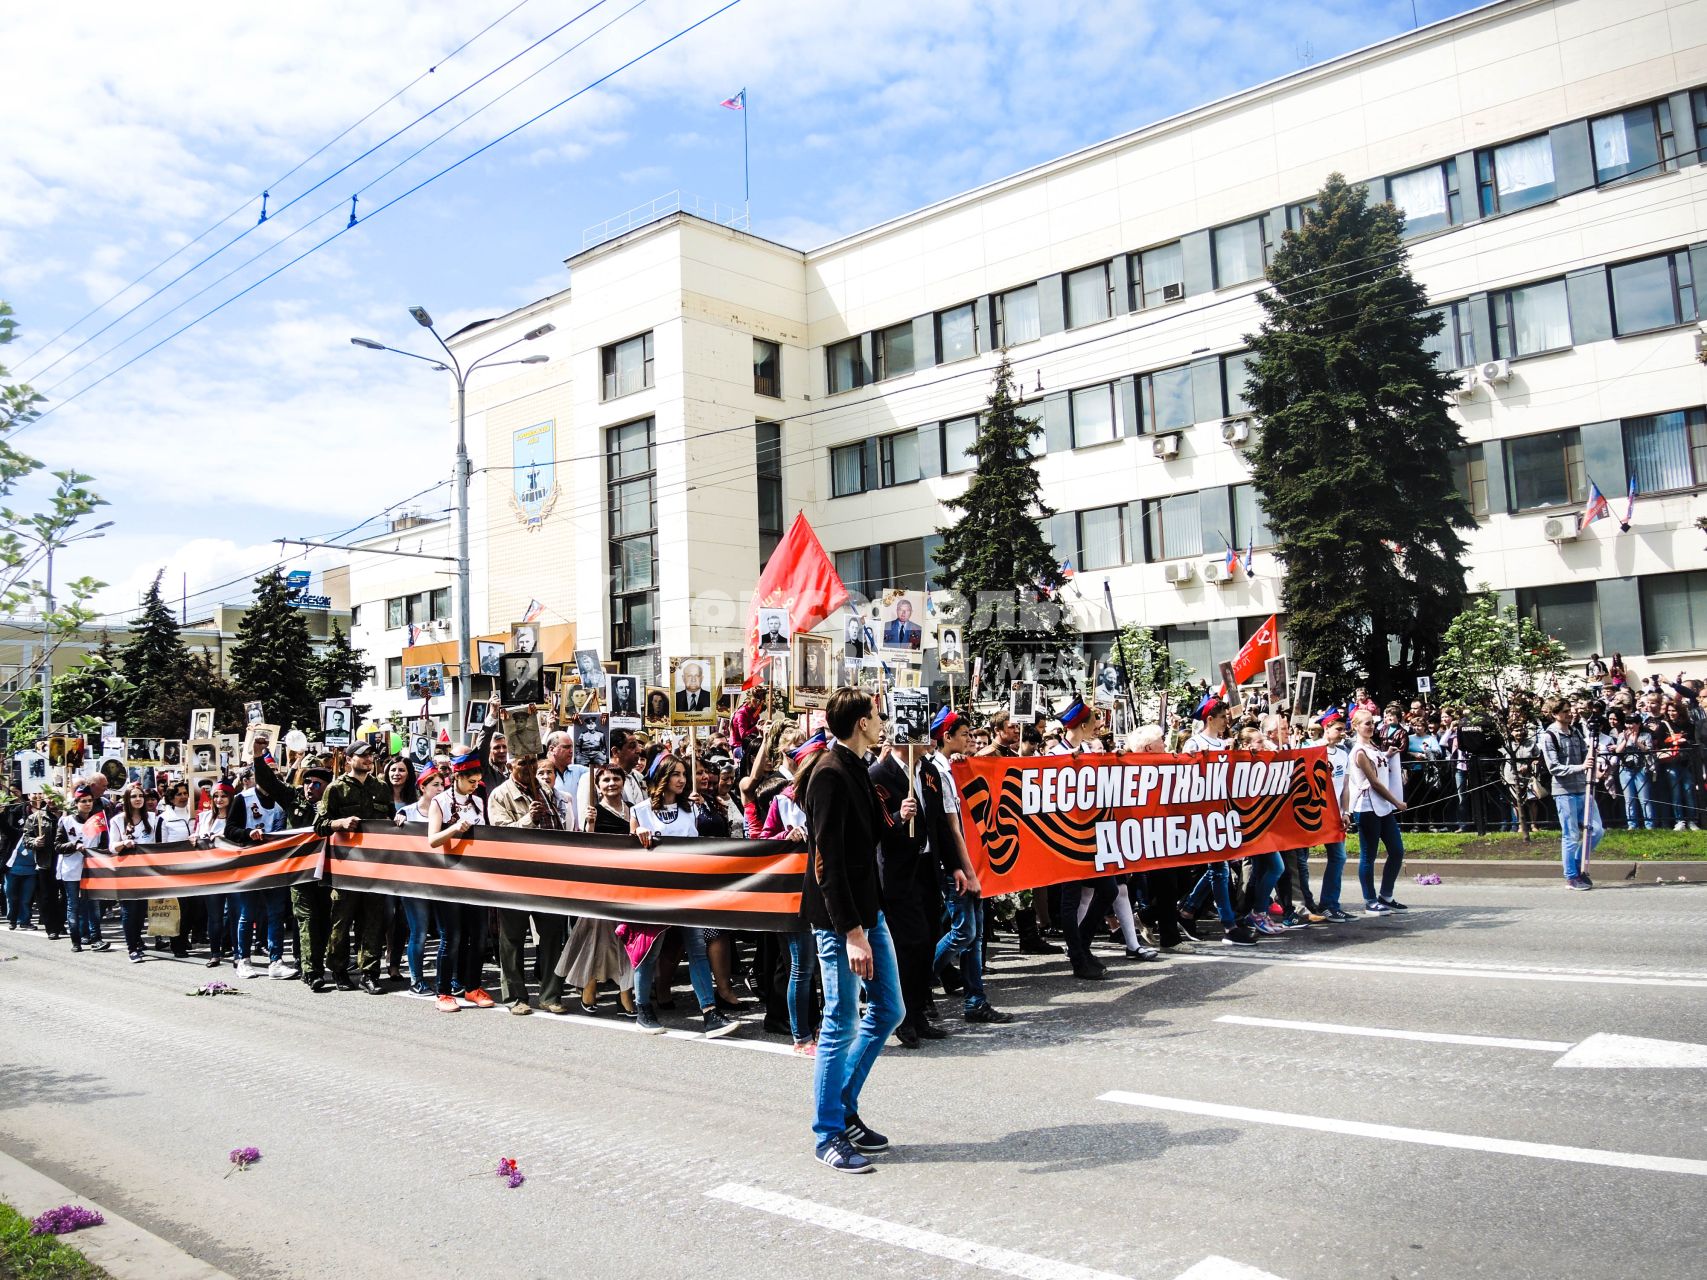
(132,830)
(210,822)
(428,787)
(666,811)
(455,811)
(1375,797)
(176,824)
(452,815)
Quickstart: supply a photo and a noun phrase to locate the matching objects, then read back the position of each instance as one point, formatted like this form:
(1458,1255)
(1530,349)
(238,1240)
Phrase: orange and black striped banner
(184,870)
(1032,821)
(706,883)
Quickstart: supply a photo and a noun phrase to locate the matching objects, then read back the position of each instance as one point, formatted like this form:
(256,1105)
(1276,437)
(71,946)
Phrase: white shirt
(175,824)
(681,824)
(257,813)
(1203,741)
(1363,796)
(451,807)
(209,825)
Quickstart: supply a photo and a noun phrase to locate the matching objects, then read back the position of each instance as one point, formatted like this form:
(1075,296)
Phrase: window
(632,505)
(767,461)
(1241,251)
(1017,319)
(423,606)
(958,437)
(394,673)
(1652,293)
(1569,612)
(1454,347)
(1698,109)
(1234,369)
(847,470)
(897,459)
(1674,612)
(1637,143)
(627,366)
(1093,415)
(956,333)
(1298,214)
(1545,470)
(1158,275)
(866,571)
(1164,399)
(1103,541)
(1516,175)
(894,350)
(395,615)
(767,368)
(846,365)
(1470,477)
(1172,528)
(1188,648)
(1428,198)
(1250,521)
(1089,296)
(1532,319)
(1666,451)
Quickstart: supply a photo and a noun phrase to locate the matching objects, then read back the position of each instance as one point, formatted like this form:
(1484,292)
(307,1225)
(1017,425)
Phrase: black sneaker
(1577,882)
(1092,972)
(717,1025)
(1240,935)
(1336,916)
(906,1036)
(863,1136)
(1393,904)
(929,1030)
(136,957)
(984,1011)
(646,1018)
(949,976)
(838,1153)
(342,982)
(1586,878)
(100,944)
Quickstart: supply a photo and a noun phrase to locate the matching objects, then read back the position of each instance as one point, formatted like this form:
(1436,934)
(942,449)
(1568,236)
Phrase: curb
(1608,871)
(122,1248)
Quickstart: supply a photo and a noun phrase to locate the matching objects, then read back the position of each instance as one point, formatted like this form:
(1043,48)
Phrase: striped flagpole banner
(707,884)
(184,870)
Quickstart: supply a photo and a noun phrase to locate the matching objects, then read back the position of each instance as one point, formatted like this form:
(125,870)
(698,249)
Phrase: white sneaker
(1693,827)
(281,969)
(247,970)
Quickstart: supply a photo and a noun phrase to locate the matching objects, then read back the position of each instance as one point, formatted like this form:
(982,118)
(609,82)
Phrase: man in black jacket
(908,873)
(842,901)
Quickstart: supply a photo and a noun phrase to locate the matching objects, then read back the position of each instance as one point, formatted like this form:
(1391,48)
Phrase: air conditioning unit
(1496,373)
(1236,430)
(1561,529)
(1179,572)
(1466,388)
(1216,571)
(1172,292)
(1167,446)
(441,626)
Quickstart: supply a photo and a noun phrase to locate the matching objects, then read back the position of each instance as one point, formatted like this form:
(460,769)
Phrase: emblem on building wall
(533,490)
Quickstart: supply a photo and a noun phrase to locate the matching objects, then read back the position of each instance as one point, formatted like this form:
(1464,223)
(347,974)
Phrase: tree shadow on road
(1066,1148)
(28,1086)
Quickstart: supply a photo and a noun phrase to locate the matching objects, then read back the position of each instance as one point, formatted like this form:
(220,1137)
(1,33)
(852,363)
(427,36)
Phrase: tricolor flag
(1232,559)
(532,612)
(1629,508)
(1066,568)
(737,103)
(414,635)
(1597,508)
(1250,555)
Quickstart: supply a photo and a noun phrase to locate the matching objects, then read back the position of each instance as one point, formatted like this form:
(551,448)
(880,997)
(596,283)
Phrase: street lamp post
(464,627)
(49,546)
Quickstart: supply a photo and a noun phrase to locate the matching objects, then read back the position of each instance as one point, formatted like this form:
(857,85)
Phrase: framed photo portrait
(202,755)
(336,722)
(591,740)
(172,753)
(489,652)
(859,640)
(524,637)
(900,622)
(475,719)
(1304,700)
(1230,685)
(523,680)
(253,713)
(1107,687)
(587,664)
(909,716)
(201,723)
(950,657)
(1022,701)
(734,670)
(814,671)
(1277,681)
(691,699)
(657,707)
(622,701)
(775,627)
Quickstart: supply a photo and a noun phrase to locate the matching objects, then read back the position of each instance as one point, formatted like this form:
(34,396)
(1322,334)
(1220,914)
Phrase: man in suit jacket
(901,631)
(842,901)
(693,696)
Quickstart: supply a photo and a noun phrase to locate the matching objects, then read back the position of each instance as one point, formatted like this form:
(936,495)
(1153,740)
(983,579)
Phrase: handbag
(164,918)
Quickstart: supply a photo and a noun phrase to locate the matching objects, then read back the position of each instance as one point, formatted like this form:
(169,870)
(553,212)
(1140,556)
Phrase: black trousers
(50,896)
(1161,893)
(912,911)
(1079,935)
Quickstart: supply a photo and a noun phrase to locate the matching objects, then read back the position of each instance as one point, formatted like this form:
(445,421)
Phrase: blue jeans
(417,912)
(1216,880)
(462,947)
(132,916)
(699,973)
(1373,830)
(82,913)
(964,941)
(271,905)
(222,911)
(1679,788)
(20,892)
(799,985)
(1571,832)
(848,1045)
(1332,875)
(1638,798)
(1265,872)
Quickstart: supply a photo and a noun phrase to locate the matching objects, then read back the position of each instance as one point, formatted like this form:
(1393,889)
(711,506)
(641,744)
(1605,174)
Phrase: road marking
(1422,1137)
(1389,1033)
(1006,1261)
(1605,1050)
(1215,1267)
(1632,978)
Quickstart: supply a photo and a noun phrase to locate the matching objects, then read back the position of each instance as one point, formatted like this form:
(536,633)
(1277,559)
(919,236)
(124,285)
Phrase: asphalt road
(1120,1130)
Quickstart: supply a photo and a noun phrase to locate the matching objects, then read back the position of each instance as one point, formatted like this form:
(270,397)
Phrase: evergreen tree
(201,684)
(995,559)
(153,663)
(1352,460)
(273,658)
(339,671)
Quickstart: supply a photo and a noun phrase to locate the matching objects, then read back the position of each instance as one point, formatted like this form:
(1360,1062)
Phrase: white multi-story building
(1547,154)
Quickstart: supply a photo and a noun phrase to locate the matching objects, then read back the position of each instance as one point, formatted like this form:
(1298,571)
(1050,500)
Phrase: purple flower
(67,1217)
(243,1157)
(510,1171)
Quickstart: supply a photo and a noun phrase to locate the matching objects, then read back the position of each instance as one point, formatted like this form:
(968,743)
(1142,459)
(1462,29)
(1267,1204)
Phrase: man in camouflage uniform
(310,903)
(360,795)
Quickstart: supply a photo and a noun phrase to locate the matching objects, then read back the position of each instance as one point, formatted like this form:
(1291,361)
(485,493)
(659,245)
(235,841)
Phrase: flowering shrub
(67,1217)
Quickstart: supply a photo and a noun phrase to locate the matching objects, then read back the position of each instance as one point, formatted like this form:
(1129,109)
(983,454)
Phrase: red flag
(1262,646)
(800,578)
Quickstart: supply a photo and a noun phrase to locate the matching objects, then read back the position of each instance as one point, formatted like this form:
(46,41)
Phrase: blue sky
(134,128)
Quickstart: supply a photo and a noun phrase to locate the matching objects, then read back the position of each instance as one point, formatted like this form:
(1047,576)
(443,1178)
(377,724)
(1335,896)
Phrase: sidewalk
(1606,871)
(122,1248)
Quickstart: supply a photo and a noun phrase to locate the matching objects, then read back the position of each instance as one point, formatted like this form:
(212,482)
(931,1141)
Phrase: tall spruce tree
(153,663)
(339,671)
(1352,461)
(995,559)
(273,658)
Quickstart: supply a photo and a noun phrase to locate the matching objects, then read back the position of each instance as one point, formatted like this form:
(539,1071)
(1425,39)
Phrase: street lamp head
(369,343)
(421,317)
(539,359)
(540,332)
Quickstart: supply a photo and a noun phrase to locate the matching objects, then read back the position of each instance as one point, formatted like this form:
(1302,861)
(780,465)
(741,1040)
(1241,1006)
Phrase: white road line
(1631,979)
(1215,1267)
(1422,1137)
(1389,1033)
(1006,1261)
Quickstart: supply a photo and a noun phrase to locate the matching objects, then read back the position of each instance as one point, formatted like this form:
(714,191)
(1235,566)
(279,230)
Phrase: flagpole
(1120,652)
(746,170)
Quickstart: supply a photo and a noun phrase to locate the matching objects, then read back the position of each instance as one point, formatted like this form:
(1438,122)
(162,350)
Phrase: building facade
(1547,154)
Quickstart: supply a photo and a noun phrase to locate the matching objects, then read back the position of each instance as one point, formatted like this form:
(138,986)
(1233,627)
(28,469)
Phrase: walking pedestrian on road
(1566,757)
(1375,795)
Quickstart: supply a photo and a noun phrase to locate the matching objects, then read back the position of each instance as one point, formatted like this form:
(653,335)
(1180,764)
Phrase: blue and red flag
(1629,508)
(736,103)
(1232,559)
(1597,508)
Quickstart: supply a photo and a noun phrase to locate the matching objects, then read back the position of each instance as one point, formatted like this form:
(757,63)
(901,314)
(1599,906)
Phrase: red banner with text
(1031,821)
